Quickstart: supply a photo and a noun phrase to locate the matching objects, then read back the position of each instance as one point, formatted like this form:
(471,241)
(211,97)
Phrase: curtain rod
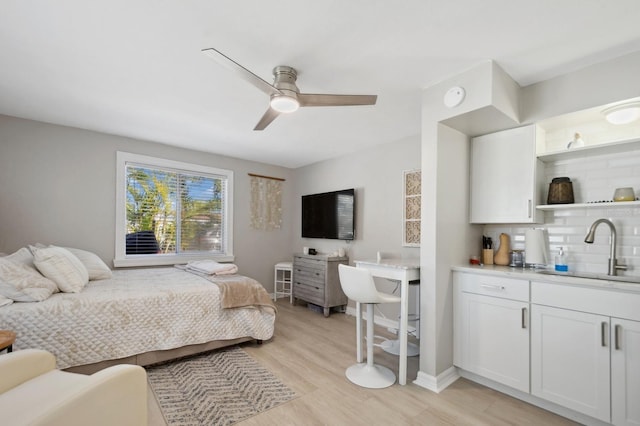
(266,177)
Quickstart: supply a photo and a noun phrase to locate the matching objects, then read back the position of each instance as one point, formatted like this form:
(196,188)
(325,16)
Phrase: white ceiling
(134,67)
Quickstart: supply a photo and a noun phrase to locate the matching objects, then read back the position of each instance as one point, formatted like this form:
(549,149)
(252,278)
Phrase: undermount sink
(593,276)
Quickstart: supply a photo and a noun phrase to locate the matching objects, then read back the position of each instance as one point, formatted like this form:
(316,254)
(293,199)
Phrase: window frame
(121,259)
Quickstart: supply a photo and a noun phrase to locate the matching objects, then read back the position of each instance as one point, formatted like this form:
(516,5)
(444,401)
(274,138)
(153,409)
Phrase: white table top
(392,263)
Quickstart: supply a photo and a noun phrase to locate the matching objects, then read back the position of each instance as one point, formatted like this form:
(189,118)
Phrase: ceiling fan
(284,94)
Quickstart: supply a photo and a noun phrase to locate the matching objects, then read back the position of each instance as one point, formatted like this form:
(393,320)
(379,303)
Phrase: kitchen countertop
(534,275)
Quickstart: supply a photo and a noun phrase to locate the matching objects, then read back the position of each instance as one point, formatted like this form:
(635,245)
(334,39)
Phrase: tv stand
(315,280)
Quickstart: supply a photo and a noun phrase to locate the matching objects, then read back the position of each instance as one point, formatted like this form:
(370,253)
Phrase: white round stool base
(393,347)
(375,377)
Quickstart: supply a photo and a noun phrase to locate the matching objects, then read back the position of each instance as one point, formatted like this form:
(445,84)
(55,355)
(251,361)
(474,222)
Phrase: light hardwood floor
(310,353)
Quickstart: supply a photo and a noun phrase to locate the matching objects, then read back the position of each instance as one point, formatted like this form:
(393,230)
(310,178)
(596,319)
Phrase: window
(169,212)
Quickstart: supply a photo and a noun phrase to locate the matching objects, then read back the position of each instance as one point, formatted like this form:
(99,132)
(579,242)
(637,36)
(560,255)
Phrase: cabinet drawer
(309,276)
(602,301)
(309,292)
(306,263)
(490,285)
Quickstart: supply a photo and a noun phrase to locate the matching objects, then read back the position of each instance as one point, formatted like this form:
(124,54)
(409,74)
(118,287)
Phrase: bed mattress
(136,311)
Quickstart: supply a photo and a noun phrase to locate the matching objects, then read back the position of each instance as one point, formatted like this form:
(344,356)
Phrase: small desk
(403,270)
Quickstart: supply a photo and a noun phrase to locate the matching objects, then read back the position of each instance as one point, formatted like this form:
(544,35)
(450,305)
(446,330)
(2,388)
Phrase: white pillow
(98,270)
(23,284)
(23,256)
(62,267)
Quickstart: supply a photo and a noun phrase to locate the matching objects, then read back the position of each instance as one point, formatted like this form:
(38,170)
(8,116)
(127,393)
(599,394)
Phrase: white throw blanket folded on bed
(211,267)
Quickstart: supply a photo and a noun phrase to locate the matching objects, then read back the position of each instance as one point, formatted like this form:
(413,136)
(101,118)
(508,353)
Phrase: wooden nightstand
(6,340)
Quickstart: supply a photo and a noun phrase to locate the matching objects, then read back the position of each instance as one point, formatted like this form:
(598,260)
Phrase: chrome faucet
(613,264)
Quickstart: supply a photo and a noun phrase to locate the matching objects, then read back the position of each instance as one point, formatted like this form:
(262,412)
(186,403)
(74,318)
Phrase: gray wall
(58,187)
(377,176)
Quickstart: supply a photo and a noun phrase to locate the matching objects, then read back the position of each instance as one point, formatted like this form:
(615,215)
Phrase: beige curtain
(266,203)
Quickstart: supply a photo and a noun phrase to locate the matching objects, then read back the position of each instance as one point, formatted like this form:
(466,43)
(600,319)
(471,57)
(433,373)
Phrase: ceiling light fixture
(623,113)
(284,103)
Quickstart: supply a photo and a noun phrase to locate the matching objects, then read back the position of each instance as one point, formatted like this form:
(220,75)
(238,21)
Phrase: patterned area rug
(216,388)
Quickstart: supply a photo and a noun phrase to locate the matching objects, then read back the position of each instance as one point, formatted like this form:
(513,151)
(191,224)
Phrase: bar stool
(359,286)
(282,281)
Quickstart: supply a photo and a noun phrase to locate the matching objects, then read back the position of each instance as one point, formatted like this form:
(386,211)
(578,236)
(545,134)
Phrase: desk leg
(359,332)
(404,328)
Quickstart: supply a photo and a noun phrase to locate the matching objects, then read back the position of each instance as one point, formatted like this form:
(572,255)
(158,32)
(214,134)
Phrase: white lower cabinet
(570,359)
(625,372)
(575,346)
(492,334)
(583,356)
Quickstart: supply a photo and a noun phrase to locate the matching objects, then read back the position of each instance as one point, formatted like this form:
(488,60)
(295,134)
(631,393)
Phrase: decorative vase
(502,255)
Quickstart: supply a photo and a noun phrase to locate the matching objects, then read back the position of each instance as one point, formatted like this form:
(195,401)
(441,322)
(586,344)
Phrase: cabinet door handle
(603,332)
(529,208)
(492,287)
(524,317)
(618,332)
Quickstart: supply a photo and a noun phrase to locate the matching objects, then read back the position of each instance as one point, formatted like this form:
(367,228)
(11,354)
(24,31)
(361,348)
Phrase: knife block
(487,256)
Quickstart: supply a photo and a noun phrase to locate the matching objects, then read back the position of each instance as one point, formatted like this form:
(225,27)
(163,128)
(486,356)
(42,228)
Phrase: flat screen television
(329,215)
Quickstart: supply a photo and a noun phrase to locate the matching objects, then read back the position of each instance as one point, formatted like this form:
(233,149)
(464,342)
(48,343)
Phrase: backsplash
(594,179)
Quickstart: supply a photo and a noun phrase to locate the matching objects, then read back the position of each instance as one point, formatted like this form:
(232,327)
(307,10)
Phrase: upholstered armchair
(34,392)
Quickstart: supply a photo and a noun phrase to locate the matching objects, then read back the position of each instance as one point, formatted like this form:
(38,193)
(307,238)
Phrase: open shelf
(599,149)
(612,204)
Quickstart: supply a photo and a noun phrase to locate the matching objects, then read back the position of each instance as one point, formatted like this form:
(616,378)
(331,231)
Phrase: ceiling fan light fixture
(623,113)
(284,103)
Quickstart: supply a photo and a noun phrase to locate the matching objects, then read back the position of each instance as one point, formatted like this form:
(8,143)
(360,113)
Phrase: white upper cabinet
(505,177)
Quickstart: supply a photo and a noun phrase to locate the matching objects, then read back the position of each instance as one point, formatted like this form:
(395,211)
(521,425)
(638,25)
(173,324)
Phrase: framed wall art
(411,210)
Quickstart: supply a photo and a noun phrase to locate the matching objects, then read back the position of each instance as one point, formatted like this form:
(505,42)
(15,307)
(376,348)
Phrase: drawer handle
(618,332)
(603,332)
(524,317)
(493,287)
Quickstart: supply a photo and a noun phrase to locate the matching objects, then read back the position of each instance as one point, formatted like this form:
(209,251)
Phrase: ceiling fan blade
(241,71)
(309,100)
(270,115)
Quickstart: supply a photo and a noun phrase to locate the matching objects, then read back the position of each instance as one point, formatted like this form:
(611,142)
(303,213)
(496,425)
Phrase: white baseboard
(437,383)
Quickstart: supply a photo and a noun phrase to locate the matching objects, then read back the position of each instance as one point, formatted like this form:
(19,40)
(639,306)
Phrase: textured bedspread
(136,311)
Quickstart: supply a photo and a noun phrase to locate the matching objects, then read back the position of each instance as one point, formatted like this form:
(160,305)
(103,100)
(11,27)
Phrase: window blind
(172,211)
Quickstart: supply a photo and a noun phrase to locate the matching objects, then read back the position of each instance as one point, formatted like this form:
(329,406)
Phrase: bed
(142,316)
